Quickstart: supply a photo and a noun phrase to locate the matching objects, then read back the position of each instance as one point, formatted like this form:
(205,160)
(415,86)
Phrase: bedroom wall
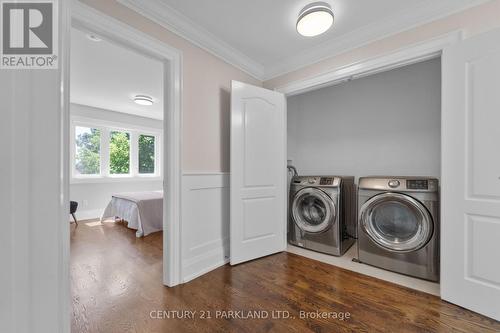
(93,197)
(384,124)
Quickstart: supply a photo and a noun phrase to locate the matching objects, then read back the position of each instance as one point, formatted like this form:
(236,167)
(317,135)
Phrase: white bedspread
(142,210)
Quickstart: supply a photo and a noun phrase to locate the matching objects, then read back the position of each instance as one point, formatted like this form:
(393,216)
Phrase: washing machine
(398,225)
(322,213)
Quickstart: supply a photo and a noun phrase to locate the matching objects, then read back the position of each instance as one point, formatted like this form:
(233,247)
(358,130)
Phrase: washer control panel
(327,181)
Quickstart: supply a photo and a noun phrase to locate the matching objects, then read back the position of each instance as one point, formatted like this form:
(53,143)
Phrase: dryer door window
(313,210)
(396,222)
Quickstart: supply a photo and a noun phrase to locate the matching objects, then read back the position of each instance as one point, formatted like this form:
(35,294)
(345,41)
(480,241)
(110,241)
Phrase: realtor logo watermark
(29,37)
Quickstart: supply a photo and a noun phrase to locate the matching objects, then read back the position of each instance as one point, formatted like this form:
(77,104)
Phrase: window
(146,154)
(119,153)
(87,151)
(114,151)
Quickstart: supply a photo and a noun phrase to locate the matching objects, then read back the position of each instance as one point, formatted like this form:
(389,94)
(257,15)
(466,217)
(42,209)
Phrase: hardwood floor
(116,287)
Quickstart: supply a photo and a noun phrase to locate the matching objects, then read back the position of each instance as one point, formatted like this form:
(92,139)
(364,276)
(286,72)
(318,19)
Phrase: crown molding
(171,19)
(428,11)
(174,21)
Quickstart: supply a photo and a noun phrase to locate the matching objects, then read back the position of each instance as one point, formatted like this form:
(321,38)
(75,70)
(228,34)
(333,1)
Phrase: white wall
(93,197)
(34,279)
(385,124)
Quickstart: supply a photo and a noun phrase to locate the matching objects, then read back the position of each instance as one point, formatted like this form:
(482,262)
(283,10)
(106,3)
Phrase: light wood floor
(116,284)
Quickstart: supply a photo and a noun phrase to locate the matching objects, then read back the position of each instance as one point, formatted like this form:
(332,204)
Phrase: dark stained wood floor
(116,284)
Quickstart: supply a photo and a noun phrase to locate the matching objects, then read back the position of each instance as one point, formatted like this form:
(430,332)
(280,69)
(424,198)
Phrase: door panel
(259,218)
(483,98)
(470,192)
(482,232)
(258,172)
(259,114)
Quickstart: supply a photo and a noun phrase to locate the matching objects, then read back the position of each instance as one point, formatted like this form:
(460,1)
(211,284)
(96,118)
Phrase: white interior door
(258,172)
(470,224)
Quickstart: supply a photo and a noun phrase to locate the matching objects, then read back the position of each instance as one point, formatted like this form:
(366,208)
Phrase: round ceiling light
(143,100)
(315,19)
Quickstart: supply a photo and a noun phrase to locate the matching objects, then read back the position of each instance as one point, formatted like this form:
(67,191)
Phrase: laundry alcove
(388,123)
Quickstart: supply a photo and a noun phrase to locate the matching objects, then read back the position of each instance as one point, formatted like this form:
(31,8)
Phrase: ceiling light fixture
(143,100)
(315,19)
(94,38)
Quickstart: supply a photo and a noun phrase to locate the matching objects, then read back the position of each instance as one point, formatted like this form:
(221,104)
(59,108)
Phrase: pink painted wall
(472,21)
(206,94)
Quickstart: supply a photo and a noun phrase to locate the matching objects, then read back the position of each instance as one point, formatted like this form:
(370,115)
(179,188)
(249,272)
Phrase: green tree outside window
(119,153)
(88,148)
(146,154)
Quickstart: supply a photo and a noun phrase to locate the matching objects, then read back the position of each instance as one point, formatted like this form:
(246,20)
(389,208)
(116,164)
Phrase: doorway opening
(153,147)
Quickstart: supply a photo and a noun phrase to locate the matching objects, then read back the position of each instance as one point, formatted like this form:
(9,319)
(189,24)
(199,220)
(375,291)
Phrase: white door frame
(412,54)
(88,19)
(432,48)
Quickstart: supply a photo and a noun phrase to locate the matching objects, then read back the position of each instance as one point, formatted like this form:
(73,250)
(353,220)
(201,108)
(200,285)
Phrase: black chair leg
(74,218)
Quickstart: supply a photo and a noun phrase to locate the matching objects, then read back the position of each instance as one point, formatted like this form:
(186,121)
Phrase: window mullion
(134,154)
(72,149)
(105,137)
(158,155)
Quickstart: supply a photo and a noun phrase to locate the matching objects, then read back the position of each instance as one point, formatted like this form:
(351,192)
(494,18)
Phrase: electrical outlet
(85,203)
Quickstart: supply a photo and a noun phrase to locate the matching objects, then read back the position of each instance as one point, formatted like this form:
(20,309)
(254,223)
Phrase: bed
(142,210)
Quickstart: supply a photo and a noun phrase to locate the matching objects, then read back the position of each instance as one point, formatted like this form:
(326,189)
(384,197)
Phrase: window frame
(106,127)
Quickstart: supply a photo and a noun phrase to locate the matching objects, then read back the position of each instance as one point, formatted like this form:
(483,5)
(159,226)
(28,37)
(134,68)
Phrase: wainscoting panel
(204,223)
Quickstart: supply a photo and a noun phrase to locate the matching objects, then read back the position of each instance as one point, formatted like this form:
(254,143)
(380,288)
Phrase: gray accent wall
(385,124)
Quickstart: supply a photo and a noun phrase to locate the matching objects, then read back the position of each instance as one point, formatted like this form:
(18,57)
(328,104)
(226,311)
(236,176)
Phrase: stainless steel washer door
(396,222)
(313,210)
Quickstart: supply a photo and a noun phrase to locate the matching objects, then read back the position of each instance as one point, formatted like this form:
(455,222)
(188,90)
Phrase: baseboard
(204,263)
(87,214)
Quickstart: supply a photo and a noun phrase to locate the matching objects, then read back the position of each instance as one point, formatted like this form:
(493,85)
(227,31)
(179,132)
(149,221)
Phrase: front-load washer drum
(313,210)
(396,222)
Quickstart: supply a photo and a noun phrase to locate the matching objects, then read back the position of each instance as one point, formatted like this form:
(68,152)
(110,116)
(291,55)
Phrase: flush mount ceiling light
(143,100)
(94,38)
(315,19)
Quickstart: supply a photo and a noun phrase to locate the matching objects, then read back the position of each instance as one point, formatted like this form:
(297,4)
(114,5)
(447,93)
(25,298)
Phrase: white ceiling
(107,76)
(259,35)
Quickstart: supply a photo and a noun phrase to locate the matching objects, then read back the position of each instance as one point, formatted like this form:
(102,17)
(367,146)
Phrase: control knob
(394,183)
